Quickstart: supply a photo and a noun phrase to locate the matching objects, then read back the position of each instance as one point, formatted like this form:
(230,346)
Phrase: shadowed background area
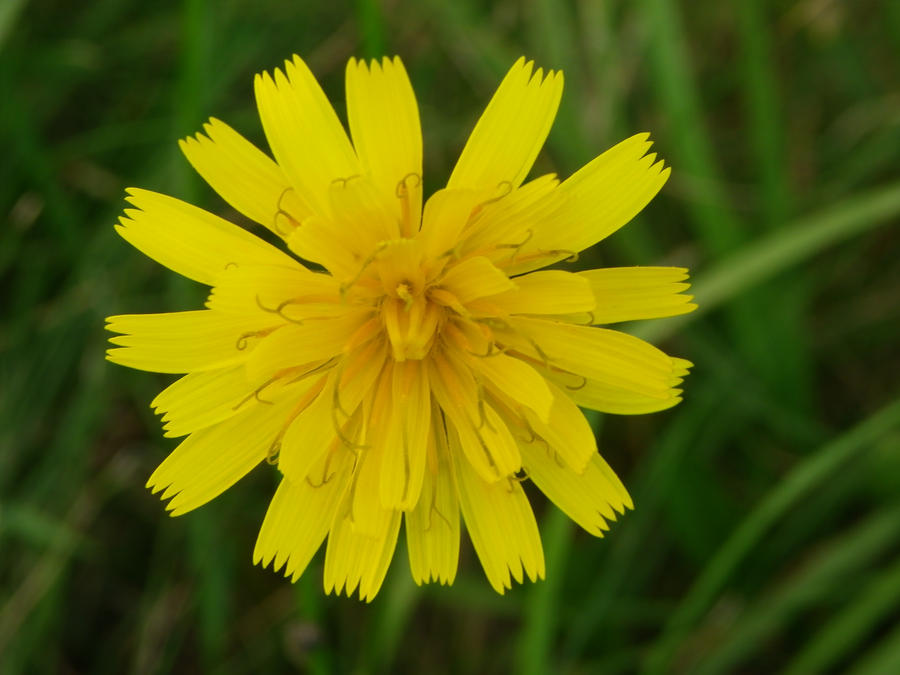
(766,535)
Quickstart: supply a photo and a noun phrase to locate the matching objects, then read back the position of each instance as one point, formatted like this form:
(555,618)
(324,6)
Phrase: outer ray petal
(304,133)
(384,124)
(244,176)
(483,435)
(311,434)
(201,399)
(295,292)
(567,432)
(359,560)
(501,525)
(615,358)
(596,395)
(547,292)
(593,203)
(404,453)
(210,461)
(191,241)
(183,342)
(590,498)
(432,528)
(475,278)
(299,517)
(509,135)
(503,223)
(632,293)
(296,344)
(517,380)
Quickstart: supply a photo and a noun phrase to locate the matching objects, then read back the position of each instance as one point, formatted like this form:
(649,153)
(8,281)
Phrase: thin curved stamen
(342,182)
(316,369)
(506,189)
(279,310)
(347,285)
(434,509)
(517,247)
(581,385)
(256,393)
(280,211)
(244,340)
(402,189)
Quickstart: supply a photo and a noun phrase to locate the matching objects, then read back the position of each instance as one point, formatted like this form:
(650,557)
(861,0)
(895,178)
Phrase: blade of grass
(883,657)
(826,650)
(542,606)
(715,223)
(845,556)
(803,478)
(371,28)
(394,607)
(787,368)
(649,486)
(9,15)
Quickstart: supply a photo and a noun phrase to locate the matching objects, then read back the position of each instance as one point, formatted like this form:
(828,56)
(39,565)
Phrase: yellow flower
(421,368)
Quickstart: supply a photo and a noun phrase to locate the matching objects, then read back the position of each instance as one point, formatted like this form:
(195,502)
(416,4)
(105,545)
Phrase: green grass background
(766,535)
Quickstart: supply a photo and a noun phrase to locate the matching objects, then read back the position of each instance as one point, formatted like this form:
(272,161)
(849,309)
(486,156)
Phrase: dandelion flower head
(400,362)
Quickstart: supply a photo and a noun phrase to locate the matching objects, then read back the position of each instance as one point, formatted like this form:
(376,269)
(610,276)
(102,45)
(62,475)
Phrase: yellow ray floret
(400,360)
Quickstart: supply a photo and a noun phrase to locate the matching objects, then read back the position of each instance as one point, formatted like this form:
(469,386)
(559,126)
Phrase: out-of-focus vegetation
(766,535)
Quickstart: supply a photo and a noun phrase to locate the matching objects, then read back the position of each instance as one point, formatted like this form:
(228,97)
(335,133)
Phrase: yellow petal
(201,399)
(590,498)
(446,215)
(210,461)
(359,560)
(483,435)
(317,240)
(304,133)
(406,437)
(614,358)
(191,241)
(632,293)
(299,517)
(384,124)
(503,222)
(501,525)
(547,292)
(512,130)
(566,432)
(475,278)
(182,342)
(312,433)
(432,528)
(596,395)
(296,344)
(244,176)
(593,203)
(293,292)
(516,379)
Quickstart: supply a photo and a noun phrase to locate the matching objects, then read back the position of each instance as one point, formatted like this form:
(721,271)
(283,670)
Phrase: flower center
(411,320)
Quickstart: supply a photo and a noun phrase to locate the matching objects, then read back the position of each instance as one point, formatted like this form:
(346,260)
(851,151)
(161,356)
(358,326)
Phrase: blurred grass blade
(809,473)
(765,258)
(371,28)
(883,658)
(9,14)
(543,603)
(844,556)
(850,625)
(672,70)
